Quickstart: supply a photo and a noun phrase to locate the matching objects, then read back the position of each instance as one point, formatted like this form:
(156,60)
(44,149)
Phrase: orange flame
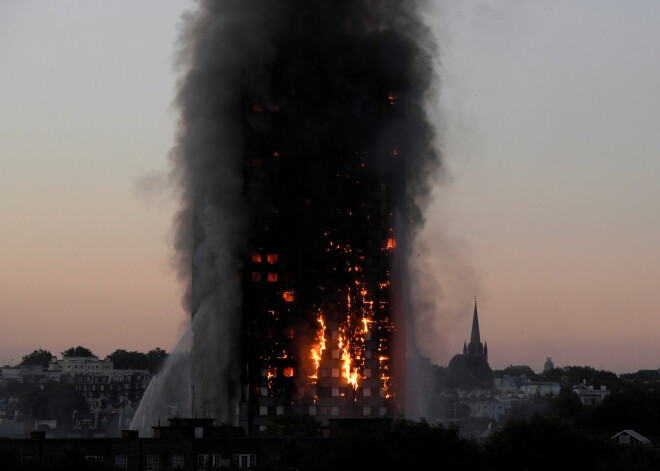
(317,349)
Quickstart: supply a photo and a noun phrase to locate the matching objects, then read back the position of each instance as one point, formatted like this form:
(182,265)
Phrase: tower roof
(475,338)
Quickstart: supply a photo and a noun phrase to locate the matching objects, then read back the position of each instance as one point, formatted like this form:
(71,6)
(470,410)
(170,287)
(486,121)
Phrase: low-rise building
(81,365)
(589,396)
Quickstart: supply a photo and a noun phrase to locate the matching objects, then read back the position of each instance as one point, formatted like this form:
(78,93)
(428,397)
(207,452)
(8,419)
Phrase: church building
(475,348)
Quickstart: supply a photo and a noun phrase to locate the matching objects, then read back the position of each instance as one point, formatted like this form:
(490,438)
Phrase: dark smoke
(326,70)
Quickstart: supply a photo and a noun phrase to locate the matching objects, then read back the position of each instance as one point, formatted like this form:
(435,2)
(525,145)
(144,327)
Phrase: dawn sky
(549,210)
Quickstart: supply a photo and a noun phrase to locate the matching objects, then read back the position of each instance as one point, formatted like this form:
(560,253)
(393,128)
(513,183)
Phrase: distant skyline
(548,211)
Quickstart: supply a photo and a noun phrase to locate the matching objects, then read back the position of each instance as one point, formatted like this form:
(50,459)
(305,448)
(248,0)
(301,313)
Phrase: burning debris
(303,154)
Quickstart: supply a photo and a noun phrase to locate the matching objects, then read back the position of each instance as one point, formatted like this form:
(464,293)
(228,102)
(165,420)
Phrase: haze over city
(547,210)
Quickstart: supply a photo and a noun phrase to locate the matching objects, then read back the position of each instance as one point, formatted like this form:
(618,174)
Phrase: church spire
(475,338)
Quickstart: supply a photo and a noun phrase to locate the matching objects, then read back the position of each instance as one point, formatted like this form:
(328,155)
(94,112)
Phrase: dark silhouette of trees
(517,370)
(155,359)
(549,443)
(408,445)
(578,374)
(77,352)
(38,357)
(468,373)
(152,360)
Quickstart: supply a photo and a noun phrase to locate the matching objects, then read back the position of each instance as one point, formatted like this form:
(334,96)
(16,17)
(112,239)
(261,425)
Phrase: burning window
(256,276)
(288,333)
(288,372)
(272,277)
(256,257)
(391,243)
(272,258)
(288,296)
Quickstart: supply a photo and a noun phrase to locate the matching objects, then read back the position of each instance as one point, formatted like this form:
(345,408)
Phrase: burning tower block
(317,298)
(304,154)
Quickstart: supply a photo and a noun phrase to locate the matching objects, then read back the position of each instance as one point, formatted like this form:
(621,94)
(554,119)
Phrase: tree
(469,373)
(152,360)
(77,352)
(123,360)
(155,359)
(38,357)
(520,370)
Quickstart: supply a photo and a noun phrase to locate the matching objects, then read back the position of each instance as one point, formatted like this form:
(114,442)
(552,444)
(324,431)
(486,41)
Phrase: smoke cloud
(327,70)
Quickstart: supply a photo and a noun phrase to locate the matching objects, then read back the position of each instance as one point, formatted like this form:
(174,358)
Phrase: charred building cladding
(316,290)
(304,158)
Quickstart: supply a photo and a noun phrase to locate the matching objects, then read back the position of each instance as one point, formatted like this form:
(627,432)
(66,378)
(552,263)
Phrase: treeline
(577,374)
(537,442)
(121,359)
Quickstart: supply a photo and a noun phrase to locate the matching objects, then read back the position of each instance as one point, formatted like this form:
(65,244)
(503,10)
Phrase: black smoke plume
(278,97)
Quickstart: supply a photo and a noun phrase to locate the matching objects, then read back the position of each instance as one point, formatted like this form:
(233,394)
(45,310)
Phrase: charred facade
(317,312)
(304,158)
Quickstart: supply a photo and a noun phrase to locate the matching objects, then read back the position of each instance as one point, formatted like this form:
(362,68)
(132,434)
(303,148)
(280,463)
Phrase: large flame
(355,328)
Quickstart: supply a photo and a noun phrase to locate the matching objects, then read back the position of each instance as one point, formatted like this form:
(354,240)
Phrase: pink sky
(548,212)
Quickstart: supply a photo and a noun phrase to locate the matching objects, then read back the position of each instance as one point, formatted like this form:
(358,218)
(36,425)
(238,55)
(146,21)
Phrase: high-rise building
(316,322)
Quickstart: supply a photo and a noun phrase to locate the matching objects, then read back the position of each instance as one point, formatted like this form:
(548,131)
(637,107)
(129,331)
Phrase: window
(335,392)
(366,392)
(256,257)
(288,372)
(382,411)
(263,410)
(366,410)
(121,461)
(245,461)
(256,276)
(288,296)
(335,372)
(152,462)
(98,458)
(334,410)
(272,277)
(312,410)
(272,258)
(177,461)
(279,410)
(218,462)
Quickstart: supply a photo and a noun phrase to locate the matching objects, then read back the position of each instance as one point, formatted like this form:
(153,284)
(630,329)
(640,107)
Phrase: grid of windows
(121,461)
(245,461)
(178,461)
(152,462)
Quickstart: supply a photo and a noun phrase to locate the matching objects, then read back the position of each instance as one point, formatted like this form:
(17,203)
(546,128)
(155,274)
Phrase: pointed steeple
(475,338)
